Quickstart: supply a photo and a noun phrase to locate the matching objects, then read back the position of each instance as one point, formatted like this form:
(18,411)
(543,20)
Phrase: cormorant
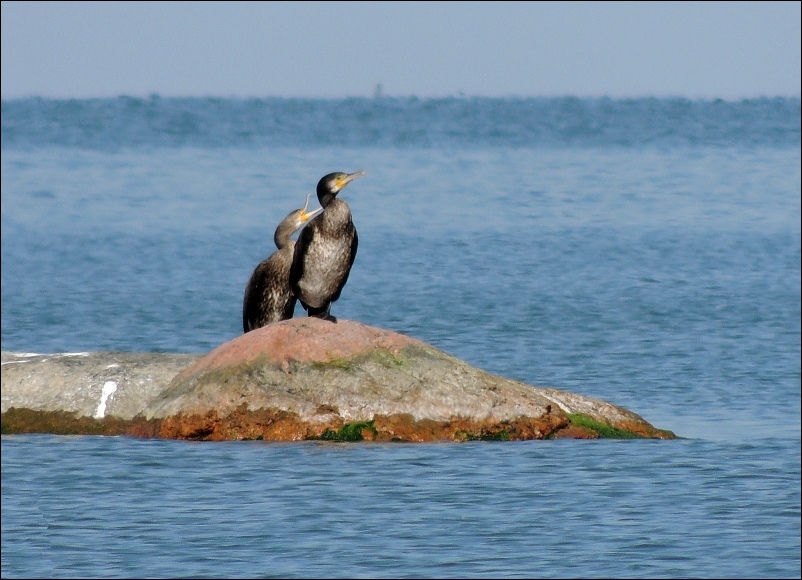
(325,250)
(268,297)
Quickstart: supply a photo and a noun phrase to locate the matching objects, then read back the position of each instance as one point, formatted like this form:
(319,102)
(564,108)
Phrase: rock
(87,384)
(301,379)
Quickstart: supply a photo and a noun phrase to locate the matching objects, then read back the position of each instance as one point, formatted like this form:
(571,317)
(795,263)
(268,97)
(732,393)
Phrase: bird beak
(306,216)
(348,178)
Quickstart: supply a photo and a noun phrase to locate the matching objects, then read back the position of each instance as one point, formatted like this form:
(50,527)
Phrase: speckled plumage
(325,250)
(268,295)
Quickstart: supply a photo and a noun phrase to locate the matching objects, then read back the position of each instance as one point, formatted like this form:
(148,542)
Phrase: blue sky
(729,50)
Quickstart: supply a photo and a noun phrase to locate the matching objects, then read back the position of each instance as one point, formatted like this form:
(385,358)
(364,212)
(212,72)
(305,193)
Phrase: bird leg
(322,313)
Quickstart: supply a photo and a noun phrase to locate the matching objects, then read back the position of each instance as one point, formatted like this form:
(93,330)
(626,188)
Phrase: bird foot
(323,313)
(324,316)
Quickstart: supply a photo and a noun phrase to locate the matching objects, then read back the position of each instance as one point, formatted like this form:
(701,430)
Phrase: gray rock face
(96,384)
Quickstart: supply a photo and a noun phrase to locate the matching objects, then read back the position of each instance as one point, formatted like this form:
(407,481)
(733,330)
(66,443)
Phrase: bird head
(303,215)
(330,185)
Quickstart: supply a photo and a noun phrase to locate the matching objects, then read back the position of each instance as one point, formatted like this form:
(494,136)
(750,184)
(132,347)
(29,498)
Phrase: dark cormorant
(268,297)
(325,250)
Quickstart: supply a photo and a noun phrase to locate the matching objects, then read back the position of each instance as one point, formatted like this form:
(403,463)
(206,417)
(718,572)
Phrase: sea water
(645,252)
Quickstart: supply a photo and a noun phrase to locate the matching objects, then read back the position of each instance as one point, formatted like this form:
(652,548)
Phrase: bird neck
(283,237)
(337,212)
(325,198)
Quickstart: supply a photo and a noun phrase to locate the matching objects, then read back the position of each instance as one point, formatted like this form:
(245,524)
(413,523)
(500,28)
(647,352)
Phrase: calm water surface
(644,252)
(116,508)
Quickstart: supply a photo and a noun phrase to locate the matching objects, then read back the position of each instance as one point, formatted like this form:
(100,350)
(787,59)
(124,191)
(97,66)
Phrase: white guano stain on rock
(108,389)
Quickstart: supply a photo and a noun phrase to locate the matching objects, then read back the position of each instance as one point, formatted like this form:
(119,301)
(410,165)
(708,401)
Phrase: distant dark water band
(111,123)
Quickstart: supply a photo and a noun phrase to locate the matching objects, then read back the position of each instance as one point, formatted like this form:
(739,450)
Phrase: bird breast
(327,259)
